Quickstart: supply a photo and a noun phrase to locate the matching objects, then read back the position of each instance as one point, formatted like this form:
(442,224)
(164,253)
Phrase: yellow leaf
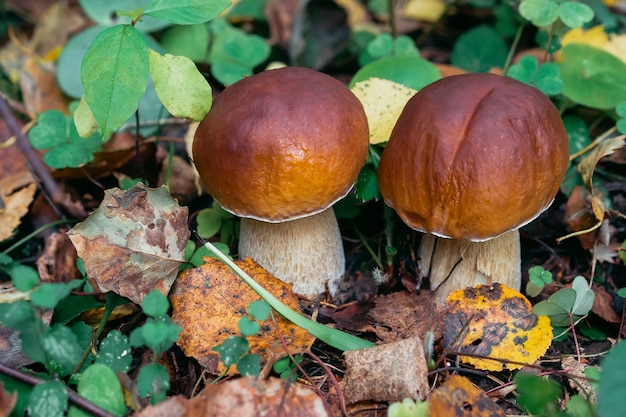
(458,396)
(383,101)
(425,10)
(494,325)
(598,38)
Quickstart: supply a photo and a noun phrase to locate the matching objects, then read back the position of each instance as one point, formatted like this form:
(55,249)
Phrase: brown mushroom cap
(473,156)
(282,144)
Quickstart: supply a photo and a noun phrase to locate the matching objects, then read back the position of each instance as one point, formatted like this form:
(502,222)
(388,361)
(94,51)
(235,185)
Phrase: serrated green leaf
(260,310)
(153,381)
(540,12)
(575,14)
(154,334)
(61,346)
(181,88)
(155,304)
(47,295)
(50,130)
(186,12)
(115,352)
(114,74)
(99,385)
(48,400)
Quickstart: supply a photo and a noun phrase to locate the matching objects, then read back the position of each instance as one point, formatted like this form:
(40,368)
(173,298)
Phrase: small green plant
(542,13)
(235,350)
(567,306)
(538,277)
(286,367)
(408,408)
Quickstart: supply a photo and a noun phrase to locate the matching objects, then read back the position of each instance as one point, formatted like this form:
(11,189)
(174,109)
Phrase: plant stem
(509,58)
(35,233)
(333,337)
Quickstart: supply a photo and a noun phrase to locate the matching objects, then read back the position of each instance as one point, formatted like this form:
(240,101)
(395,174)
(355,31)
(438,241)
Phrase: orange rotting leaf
(495,321)
(7,401)
(458,397)
(134,241)
(208,302)
(16,194)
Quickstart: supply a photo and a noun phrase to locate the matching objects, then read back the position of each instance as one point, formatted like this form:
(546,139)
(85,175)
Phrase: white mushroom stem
(306,252)
(455,264)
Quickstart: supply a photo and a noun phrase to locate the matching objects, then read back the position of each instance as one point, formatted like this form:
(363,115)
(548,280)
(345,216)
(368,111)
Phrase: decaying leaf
(459,397)
(208,302)
(16,194)
(250,396)
(134,241)
(57,263)
(383,101)
(388,372)
(7,401)
(495,321)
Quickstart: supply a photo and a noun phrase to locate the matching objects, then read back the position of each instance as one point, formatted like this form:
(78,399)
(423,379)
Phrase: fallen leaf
(387,372)
(57,263)
(580,383)
(16,194)
(171,407)
(459,397)
(426,10)
(7,401)
(495,321)
(383,101)
(134,241)
(207,303)
(602,305)
(250,396)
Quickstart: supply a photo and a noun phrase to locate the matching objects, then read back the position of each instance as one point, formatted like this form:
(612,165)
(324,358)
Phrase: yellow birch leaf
(495,326)
(383,101)
(425,10)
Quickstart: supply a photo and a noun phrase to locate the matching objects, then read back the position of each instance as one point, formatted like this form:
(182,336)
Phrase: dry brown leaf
(207,302)
(16,194)
(495,321)
(251,397)
(602,305)
(388,372)
(134,241)
(588,164)
(57,263)
(39,87)
(171,407)
(402,314)
(459,397)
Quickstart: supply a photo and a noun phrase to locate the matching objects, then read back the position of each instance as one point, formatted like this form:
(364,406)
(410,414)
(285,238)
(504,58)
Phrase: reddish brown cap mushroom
(278,146)
(472,157)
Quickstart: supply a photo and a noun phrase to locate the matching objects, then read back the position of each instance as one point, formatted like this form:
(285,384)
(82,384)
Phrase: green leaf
(558,307)
(84,121)
(181,88)
(50,130)
(548,79)
(68,64)
(260,310)
(232,349)
(155,304)
(577,132)
(115,352)
(540,12)
(153,381)
(408,408)
(539,276)
(197,257)
(250,364)
(48,400)
(584,296)
(186,12)
(191,41)
(380,46)
(72,306)
(24,277)
(210,221)
(524,70)
(47,295)
(536,394)
(412,72)
(248,327)
(99,385)
(575,14)
(17,315)
(622,292)
(479,50)
(154,334)
(111,12)
(367,185)
(612,388)
(578,406)
(114,73)
(61,346)
(592,77)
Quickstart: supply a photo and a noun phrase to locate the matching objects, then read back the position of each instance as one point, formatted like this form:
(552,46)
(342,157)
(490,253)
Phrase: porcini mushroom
(278,149)
(472,158)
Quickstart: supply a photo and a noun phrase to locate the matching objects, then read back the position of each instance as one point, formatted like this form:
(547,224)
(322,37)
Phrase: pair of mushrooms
(472,158)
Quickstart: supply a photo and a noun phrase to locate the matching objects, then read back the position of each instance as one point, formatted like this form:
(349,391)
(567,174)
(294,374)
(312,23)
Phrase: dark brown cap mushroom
(278,146)
(473,157)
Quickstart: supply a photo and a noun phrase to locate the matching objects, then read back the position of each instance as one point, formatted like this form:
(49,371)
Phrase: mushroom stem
(453,264)
(306,252)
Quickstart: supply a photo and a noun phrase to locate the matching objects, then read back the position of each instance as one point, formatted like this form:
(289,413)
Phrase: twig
(73,396)
(333,380)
